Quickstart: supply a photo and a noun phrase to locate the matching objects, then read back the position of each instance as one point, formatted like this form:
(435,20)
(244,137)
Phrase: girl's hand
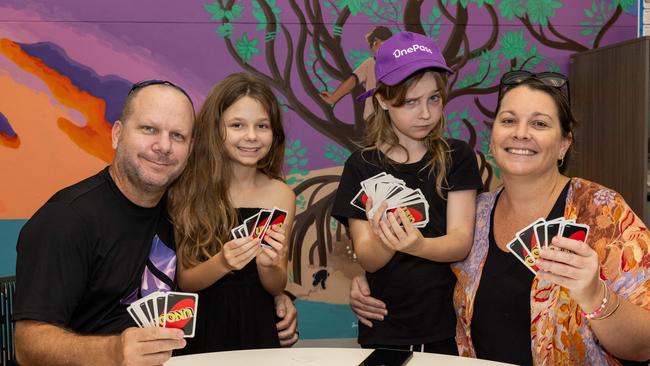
(577,269)
(375,219)
(270,257)
(399,237)
(238,252)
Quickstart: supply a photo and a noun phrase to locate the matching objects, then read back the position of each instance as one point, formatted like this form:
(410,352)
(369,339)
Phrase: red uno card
(524,256)
(278,216)
(540,234)
(180,312)
(250,222)
(359,201)
(575,231)
(529,239)
(417,212)
(553,229)
(260,225)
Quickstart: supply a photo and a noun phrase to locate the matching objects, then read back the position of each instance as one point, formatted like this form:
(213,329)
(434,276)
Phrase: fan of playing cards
(166,310)
(526,245)
(385,187)
(257,224)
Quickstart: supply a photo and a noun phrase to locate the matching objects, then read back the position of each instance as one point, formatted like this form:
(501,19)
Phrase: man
(99,245)
(364,74)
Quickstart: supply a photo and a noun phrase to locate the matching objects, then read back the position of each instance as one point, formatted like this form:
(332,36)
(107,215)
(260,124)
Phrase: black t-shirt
(87,254)
(417,292)
(505,285)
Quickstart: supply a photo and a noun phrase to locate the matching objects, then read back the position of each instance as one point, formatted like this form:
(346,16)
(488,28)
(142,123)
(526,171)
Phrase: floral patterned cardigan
(559,334)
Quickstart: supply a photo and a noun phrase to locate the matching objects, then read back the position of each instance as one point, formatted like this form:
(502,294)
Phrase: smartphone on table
(387,357)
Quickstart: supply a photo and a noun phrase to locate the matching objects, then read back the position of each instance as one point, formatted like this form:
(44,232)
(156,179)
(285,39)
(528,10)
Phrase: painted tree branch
(605,28)
(412,13)
(488,45)
(317,213)
(568,44)
(456,38)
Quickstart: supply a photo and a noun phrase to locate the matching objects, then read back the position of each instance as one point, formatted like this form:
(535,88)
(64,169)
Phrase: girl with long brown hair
(234,171)
(408,268)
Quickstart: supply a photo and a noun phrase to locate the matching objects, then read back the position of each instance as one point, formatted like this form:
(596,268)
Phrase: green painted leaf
(357,57)
(215,9)
(511,9)
(540,10)
(513,45)
(247,48)
(225,30)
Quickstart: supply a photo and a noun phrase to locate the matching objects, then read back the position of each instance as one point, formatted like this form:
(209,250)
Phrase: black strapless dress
(235,312)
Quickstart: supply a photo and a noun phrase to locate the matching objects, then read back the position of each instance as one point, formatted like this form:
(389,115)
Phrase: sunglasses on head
(553,79)
(146,83)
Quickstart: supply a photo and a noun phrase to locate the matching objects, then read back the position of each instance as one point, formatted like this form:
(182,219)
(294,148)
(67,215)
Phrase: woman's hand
(270,257)
(573,265)
(238,252)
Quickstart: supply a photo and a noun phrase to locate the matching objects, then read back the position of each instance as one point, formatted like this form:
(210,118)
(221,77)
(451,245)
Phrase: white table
(313,357)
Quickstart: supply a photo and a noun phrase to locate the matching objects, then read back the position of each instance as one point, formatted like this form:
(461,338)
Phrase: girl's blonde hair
(199,202)
(379,131)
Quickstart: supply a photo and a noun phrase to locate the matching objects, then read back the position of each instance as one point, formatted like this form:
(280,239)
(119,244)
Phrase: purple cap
(403,54)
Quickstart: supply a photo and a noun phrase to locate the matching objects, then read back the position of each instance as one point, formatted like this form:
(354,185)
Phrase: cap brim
(365,95)
(404,71)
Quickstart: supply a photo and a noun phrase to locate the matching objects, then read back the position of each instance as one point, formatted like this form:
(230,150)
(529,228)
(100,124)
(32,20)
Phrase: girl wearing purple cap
(408,268)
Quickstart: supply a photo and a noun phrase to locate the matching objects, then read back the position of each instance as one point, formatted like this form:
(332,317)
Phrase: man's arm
(288,326)
(39,343)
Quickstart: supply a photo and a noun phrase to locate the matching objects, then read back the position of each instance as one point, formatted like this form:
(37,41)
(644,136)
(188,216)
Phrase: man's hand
(365,307)
(147,346)
(39,343)
(288,326)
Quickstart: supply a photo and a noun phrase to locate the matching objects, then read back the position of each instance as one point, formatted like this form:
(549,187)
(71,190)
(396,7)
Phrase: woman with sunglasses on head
(233,172)
(408,267)
(590,302)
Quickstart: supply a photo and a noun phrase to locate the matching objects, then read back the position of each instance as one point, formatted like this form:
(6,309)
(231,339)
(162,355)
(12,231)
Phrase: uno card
(131,310)
(553,229)
(540,234)
(359,201)
(235,232)
(520,251)
(529,239)
(278,216)
(160,309)
(368,185)
(575,231)
(260,225)
(250,222)
(180,312)
(417,212)
(141,310)
(150,302)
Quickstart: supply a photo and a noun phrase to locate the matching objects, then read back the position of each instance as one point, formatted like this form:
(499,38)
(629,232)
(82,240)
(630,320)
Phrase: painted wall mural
(66,66)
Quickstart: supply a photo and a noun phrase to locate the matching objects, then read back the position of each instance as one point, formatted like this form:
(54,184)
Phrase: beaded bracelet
(612,311)
(603,304)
